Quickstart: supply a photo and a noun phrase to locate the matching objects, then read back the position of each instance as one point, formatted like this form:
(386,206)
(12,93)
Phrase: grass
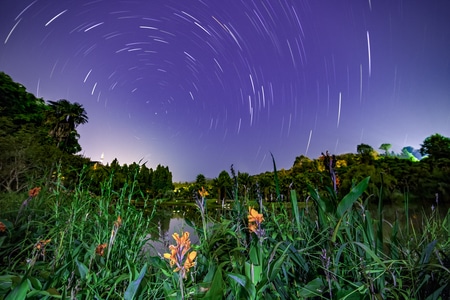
(75,245)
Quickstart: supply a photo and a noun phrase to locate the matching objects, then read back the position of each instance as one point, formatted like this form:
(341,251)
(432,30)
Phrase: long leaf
(275,175)
(216,288)
(245,283)
(82,269)
(133,287)
(347,202)
(20,291)
(295,209)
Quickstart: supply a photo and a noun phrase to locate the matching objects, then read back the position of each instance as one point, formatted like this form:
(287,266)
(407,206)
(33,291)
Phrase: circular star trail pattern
(199,85)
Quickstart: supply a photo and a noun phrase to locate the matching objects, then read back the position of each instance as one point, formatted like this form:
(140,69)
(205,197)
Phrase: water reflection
(170,219)
(159,242)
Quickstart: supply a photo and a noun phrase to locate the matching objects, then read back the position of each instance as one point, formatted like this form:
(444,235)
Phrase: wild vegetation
(71,228)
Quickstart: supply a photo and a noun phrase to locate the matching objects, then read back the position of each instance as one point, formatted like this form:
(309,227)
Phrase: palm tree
(64,117)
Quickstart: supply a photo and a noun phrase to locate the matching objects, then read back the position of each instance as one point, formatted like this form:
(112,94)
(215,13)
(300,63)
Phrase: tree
(364,149)
(162,180)
(366,153)
(223,184)
(436,146)
(385,147)
(200,180)
(245,183)
(19,105)
(63,117)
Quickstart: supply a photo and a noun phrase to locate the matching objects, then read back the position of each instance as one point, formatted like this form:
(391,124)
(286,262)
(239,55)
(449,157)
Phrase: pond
(169,219)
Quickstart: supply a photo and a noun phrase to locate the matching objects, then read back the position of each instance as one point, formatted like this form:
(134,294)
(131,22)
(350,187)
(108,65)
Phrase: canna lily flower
(254,216)
(254,222)
(34,192)
(252,227)
(189,262)
(179,255)
(203,193)
(2,227)
(118,222)
(100,249)
(40,247)
(41,244)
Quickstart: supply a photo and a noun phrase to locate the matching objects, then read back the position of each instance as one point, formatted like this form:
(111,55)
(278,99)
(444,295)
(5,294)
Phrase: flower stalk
(181,257)
(201,204)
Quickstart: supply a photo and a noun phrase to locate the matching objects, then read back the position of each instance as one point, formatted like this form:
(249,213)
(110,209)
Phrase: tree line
(39,144)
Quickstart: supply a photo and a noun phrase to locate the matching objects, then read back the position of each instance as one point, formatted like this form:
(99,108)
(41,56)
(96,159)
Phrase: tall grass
(71,244)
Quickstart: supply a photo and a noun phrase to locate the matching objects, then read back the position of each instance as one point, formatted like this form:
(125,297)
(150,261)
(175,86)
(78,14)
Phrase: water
(171,219)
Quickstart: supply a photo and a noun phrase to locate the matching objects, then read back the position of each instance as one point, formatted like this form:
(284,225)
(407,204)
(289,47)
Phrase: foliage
(63,243)
(436,147)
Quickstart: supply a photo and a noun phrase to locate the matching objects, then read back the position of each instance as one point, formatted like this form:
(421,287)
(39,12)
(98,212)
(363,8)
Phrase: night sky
(198,85)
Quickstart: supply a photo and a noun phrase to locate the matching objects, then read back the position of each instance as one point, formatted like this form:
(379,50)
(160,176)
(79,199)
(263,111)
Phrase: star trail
(199,85)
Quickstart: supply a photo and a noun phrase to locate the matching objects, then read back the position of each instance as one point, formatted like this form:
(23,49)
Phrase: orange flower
(34,192)
(254,222)
(100,249)
(2,227)
(172,256)
(41,244)
(189,262)
(203,193)
(338,181)
(177,255)
(118,222)
(252,227)
(254,216)
(40,247)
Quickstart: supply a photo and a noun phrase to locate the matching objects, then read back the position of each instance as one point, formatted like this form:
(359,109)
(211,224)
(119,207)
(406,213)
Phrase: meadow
(74,244)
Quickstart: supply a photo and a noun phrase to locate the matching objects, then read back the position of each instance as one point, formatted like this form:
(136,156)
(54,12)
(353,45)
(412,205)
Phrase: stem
(180,282)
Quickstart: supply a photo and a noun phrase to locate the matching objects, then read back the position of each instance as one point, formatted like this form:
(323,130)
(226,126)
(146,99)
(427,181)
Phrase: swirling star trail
(199,85)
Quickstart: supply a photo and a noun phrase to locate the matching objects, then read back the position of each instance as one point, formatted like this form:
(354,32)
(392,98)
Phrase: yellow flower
(203,193)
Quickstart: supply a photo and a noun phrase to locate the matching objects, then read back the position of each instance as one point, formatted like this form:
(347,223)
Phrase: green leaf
(37,293)
(347,202)
(35,283)
(426,255)
(217,285)
(6,281)
(253,272)
(437,293)
(276,267)
(313,288)
(82,269)
(132,289)
(295,209)
(275,174)
(20,291)
(245,283)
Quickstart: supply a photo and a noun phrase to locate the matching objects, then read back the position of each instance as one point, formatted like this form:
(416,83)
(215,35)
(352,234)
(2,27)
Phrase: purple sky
(198,85)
